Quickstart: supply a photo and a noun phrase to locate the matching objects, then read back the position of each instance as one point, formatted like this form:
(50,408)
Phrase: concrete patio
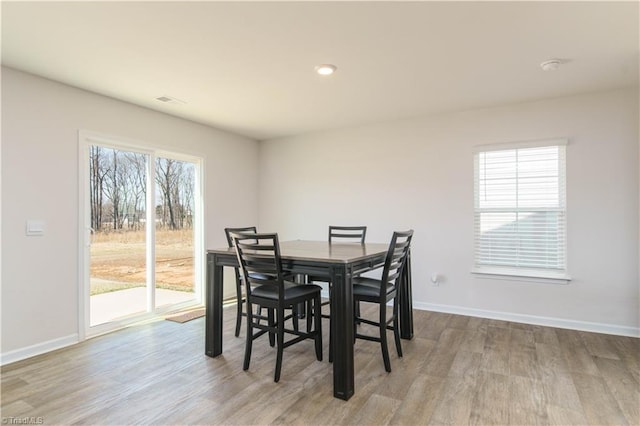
(113,305)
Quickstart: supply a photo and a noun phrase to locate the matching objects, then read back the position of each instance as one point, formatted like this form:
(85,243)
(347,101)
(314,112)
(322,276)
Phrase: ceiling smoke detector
(551,64)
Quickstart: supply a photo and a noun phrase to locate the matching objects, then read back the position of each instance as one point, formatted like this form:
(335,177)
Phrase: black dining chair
(347,233)
(351,234)
(239,285)
(381,291)
(239,293)
(261,265)
(341,234)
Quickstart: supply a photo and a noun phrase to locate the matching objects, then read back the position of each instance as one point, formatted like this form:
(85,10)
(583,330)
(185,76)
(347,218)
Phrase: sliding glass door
(141,251)
(118,249)
(174,240)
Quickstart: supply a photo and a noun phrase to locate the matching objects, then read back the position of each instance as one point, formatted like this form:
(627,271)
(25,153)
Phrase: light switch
(35,227)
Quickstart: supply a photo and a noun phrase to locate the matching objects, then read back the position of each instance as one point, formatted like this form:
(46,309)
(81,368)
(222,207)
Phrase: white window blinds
(520,210)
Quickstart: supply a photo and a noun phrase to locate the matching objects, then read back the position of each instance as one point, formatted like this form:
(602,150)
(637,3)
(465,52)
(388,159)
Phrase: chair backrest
(229,231)
(259,259)
(351,233)
(396,259)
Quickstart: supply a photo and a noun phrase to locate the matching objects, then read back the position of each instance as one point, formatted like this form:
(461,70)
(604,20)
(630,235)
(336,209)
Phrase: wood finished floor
(457,370)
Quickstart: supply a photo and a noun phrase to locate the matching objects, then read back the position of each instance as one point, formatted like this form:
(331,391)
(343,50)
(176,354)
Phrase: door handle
(89,236)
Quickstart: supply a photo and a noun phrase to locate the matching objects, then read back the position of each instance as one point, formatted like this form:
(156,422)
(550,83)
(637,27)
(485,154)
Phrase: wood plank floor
(456,370)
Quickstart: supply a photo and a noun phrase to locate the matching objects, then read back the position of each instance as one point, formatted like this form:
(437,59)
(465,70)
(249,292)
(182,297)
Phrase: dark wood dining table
(337,261)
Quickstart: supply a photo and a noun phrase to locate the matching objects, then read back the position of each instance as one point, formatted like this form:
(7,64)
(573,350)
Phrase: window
(520,210)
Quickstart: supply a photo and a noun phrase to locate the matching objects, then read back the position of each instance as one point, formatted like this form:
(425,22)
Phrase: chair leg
(239,310)
(280,338)
(396,329)
(317,328)
(249,339)
(294,316)
(258,312)
(309,315)
(383,338)
(271,322)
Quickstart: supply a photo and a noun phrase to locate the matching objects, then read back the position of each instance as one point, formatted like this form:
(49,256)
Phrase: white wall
(419,174)
(40,123)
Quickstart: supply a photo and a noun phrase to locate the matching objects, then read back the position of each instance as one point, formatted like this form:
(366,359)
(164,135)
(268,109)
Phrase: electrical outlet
(435,280)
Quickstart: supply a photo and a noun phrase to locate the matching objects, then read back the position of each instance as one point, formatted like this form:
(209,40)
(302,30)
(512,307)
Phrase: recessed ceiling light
(326,69)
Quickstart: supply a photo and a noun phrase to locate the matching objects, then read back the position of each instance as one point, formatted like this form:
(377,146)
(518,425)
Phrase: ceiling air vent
(169,100)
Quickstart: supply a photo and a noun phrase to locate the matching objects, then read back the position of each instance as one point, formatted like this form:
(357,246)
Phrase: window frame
(520,272)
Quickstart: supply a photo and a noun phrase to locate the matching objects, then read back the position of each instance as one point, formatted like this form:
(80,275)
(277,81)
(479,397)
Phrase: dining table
(339,262)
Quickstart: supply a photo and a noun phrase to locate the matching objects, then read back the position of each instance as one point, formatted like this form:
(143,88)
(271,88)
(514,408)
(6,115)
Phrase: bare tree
(165,177)
(114,190)
(175,182)
(132,188)
(119,190)
(187,185)
(124,186)
(97,173)
(137,182)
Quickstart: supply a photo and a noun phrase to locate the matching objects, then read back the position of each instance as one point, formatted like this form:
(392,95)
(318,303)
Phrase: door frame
(87,138)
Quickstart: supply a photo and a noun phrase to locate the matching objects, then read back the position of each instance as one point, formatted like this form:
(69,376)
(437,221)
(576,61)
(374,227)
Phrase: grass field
(118,260)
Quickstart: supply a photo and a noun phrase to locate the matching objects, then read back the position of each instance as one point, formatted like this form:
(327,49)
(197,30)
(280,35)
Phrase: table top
(323,251)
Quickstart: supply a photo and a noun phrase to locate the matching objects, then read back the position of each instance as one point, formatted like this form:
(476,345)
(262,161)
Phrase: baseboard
(619,330)
(38,349)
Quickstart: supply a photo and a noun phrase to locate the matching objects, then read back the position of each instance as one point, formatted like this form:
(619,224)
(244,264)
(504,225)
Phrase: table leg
(342,324)
(213,318)
(406,304)
(300,279)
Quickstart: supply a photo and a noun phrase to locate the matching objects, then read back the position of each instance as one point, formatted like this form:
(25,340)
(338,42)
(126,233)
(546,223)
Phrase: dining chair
(354,234)
(381,291)
(347,233)
(340,234)
(261,265)
(239,282)
(239,293)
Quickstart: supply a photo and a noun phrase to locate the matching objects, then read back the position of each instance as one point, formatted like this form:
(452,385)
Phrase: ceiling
(248,68)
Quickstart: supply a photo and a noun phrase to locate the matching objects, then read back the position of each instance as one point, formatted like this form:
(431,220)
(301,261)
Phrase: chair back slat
(229,231)
(259,259)
(396,260)
(394,276)
(349,233)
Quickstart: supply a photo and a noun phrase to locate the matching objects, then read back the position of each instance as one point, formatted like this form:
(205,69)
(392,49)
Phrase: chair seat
(371,282)
(292,291)
(369,291)
(258,275)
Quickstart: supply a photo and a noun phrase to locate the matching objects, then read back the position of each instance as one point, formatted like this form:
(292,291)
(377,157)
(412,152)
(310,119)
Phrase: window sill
(522,275)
